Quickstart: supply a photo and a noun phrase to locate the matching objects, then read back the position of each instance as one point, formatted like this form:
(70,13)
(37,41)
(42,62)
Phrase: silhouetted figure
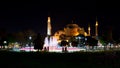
(63,49)
(66,49)
(45,49)
(63,44)
(38,43)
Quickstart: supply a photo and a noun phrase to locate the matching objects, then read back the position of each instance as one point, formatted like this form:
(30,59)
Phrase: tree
(81,39)
(38,42)
(63,37)
(4,42)
(74,43)
(3,32)
(11,38)
(91,41)
(28,33)
(72,39)
(3,37)
(103,41)
(20,37)
(63,43)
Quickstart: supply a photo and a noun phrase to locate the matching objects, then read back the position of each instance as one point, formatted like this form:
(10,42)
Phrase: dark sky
(19,16)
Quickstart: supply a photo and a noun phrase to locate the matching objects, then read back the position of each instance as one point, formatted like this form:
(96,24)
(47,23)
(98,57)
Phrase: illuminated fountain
(51,43)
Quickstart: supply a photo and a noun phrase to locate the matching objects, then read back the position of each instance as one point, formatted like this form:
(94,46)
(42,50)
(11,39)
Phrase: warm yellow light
(67,40)
(96,23)
(85,33)
(48,19)
(76,34)
(88,28)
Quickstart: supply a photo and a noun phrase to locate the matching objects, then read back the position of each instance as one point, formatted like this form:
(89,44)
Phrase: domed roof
(72,26)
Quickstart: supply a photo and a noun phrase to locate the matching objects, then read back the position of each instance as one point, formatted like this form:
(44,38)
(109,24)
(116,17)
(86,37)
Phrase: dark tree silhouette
(81,40)
(4,42)
(74,43)
(64,43)
(38,42)
(91,41)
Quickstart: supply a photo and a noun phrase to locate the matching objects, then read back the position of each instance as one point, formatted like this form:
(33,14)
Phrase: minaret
(89,30)
(49,27)
(96,28)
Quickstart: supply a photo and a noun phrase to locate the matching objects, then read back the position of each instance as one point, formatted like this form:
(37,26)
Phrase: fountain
(50,43)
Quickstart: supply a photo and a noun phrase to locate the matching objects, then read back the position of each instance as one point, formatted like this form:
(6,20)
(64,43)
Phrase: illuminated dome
(58,33)
(72,26)
(71,30)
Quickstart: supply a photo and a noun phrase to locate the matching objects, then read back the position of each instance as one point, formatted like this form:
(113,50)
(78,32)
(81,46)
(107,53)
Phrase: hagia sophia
(73,29)
(70,30)
(51,43)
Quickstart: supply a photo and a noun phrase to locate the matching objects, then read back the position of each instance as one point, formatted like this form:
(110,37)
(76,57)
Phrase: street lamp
(30,39)
(5,43)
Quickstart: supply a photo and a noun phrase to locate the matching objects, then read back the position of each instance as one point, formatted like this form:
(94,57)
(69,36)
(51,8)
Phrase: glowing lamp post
(30,38)
(96,29)
(5,43)
(89,30)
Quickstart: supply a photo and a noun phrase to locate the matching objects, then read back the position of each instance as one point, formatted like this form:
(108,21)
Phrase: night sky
(19,16)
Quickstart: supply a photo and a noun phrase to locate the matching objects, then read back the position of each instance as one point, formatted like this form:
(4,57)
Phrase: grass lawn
(60,60)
